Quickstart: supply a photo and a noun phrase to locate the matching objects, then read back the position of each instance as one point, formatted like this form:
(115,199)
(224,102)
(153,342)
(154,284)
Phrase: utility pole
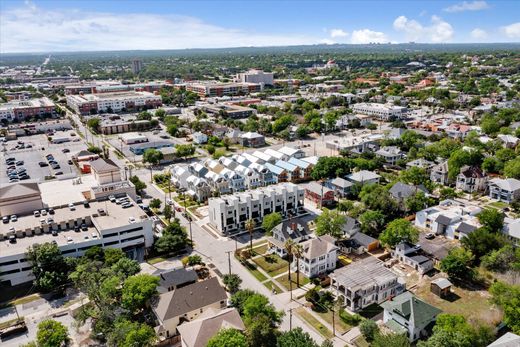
(333,323)
(290,319)
(229,260)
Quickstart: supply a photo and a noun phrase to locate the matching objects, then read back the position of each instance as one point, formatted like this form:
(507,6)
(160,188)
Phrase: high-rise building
(137,66)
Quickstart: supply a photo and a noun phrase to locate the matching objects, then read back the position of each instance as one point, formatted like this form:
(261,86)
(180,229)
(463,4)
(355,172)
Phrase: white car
(14,218)
(43,212)
(72,207)
(131,220)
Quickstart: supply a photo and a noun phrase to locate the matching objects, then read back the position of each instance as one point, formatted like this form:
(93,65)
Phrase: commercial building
(229,110)
(118,126)
(229,214)
(109,87)
(380,111)
(365,282)
(113,102)
(137,66)
(213,89)
(256,76)
(24,109)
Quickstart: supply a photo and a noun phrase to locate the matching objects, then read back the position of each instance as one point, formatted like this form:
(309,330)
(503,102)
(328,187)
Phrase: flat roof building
(113,102)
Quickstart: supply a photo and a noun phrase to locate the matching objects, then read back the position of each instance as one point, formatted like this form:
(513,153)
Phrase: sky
(100,25)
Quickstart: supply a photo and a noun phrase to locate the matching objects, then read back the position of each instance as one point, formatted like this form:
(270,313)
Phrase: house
(402,191)
(199,138)
(177,278)
(252,139)
(408,314)
(471,179)
(294,229)
(395,133)
(179,176)
(410,255)
(278,174)
(509,141)
(198,188)
(340,186)
(441,287)
(391,154)
(304,166)
(319,256)
(293,171)
(358,243)
(365,282)
(197,333)
(454,219)
(507,189)
(439,173)
(319,194)
(512,230)
(506,340)
(292,152)
(422,164)
(187,304)
(364,177)
(234,135)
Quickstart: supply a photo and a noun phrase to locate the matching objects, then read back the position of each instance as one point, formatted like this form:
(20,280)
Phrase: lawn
(26,299)
(254,271)
(361,342)
(260,249)
(284,280)
(313,322)
(471,303)
(341,326)
(270,285)
(11,322)
(498,204)
(272,264)
(371,311)
(155,260)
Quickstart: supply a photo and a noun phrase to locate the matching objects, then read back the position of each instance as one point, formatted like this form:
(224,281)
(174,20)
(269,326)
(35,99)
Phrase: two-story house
(365,282)
(319,256)
(439,173)
(410,255)
(471,179)
(295,229)
(407,314)
(507,189)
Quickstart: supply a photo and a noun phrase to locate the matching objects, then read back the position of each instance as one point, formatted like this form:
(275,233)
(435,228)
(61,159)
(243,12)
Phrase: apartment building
(24,109)
(256,76)
(453,218)
(113,102)
(110,87)
(217,89)
(381,111)
(229,214)
(365,282)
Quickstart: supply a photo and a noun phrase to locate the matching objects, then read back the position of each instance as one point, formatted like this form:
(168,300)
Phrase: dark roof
(350,225)
(292,229)
(472,172)
(186,299)
(466,228)
(177,277)
(442,219)
(402,190)
(421,259)
(363,239)
(341,183)
(411,308)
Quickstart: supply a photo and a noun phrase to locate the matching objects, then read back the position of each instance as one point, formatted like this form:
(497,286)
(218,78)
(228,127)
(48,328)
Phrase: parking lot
(39,147)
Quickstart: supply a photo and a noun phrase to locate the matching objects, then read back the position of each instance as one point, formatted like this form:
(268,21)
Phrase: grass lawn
(471,303)
(341,326)
(284,280)
(10,323)
(498,204)
(271,264)
(313,322)
(155,260)
(189,201)
(370,311)
(26,299)
(260,249)
(254,271)
(361,342)
(270,285)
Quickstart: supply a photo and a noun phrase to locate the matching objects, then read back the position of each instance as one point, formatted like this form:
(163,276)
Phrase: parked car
(72,207)
(430,236)
(57,173)
(43,164)
(65,150)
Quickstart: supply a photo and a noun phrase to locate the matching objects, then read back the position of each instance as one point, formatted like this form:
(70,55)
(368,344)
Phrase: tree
(457,263)
(232,282)
(372,222)
(51,333)
(508,298)
(170,243)
(447,193)
(139,185)
(129,334)
(250,227)
(270,221)
(345,205)
(289,245)
(417,202)
(330,223)
(512,168)
(228,338)
(239,298)
(297,252)
(462,157)
(377,198)
(415,176)
(49,267)
(480,242)
(168,212)
(155,203)
(397,231)
(261,320)
(491,219)
(138,290)
(153,157)
(369,329)
(94,123)
(390,340)
(184,151)
(295,338)
(331,167)
(194,260)
(257,305)
(94,149)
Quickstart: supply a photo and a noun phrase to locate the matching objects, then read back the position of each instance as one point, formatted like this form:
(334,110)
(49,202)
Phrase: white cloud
(512,30)
(32,29)
(363,36)
(467,6)
(479,34)
(327,42)
(438,31)
(335,33)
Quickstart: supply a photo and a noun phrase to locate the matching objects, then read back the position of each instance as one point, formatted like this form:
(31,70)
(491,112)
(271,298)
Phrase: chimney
(293,226)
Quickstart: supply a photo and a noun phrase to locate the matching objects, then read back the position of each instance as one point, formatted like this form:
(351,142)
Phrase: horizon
(57,26)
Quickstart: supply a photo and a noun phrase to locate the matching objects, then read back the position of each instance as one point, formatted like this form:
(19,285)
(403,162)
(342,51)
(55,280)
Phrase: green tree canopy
(271,220)
(138,290)
(457,263)
(228,338)
(130,334)
(397,231)
(508,298)
(49,267)
(492,219)
(295,338)
(51,333)
(330,222)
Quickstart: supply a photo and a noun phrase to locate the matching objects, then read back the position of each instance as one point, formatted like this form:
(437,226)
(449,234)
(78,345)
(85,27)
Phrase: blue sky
(33,26)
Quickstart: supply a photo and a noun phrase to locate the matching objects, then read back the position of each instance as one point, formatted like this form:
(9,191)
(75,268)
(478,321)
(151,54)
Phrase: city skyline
(58,26)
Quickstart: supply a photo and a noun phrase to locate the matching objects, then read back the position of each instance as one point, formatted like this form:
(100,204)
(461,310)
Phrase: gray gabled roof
(341,183)
(466,228)
(18,190)
(186,299)
(402,191)
(363,239)
(104,165)
(411,308)
(507,340)
(177,277)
